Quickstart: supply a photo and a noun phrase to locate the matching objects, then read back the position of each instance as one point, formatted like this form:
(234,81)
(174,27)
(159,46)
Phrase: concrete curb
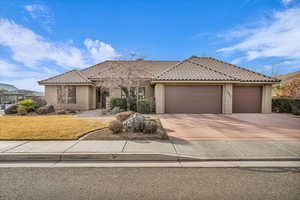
(127,157)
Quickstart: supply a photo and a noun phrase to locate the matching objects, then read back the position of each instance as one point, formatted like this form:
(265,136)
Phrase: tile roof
(70,77)
(191,69)
(101,70)
(205,68)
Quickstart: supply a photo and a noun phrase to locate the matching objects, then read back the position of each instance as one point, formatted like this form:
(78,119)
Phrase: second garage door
(246,99)
(194,99)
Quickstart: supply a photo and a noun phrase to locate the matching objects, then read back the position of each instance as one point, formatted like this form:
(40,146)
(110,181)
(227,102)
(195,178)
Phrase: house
(194,85)
(289,86)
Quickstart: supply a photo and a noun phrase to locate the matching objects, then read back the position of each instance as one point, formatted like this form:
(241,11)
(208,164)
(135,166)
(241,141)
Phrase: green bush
(27,104)
(118,102)
(286,106)
(122,103)
(144,106)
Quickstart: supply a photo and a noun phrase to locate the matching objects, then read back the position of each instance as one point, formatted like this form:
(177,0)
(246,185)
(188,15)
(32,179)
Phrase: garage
(246,99)
(193,99)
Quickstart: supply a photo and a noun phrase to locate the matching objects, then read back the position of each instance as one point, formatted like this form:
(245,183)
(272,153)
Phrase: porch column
(159,91)
(227,99)
(266,104)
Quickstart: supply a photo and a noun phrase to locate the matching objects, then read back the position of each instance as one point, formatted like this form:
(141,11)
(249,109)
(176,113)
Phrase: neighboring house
(289,86)
(9,94)
(194,85)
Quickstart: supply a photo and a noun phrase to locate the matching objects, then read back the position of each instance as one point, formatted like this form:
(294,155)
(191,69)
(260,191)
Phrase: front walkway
(178,149)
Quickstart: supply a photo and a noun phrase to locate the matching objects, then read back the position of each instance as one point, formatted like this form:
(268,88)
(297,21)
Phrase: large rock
(135,123)
(45,110)
(150,126)
(11,109)
(122,116)
(116,126)
(115,110)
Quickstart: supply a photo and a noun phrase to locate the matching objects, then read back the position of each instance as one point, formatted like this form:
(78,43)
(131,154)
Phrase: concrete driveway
(266,127)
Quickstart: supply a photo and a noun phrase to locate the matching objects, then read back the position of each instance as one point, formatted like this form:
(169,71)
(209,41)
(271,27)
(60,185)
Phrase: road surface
(149,183)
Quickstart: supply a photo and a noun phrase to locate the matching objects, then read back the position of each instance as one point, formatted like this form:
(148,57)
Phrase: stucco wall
(159,98)
(267,99)
(227,99)
(85,98)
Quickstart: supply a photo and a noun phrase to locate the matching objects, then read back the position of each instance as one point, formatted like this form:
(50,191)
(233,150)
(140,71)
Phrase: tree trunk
(127,94)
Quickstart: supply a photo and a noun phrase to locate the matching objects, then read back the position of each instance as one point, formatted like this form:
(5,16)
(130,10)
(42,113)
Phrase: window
(72,95)
(66,94)
(135,92)
(141,93)
(60,95)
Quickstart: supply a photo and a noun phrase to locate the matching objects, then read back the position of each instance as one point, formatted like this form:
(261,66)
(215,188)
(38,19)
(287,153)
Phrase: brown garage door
(246,99)
(193,99)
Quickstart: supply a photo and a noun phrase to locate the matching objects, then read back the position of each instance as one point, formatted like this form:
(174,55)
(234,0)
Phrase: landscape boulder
(135,123)
(11,109)
(150,126)
(45,110)
(122,116)
(40,102)
(116,126)
(115,110)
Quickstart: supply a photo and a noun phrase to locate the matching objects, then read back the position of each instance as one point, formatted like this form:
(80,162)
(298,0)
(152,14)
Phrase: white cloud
(286,2)
(36,10)
(32,49)
(42,14)
(13,71)
(99,50)
(279,37)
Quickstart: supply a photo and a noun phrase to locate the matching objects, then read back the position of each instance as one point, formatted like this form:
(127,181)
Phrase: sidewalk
(177,150)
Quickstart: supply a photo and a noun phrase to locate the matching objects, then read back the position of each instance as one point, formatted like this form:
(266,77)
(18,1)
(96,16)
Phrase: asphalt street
(149,183)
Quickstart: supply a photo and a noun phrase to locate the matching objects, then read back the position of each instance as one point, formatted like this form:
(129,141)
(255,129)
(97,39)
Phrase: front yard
(47,127)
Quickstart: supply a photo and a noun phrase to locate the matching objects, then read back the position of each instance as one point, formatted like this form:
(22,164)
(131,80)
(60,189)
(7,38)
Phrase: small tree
(124,75)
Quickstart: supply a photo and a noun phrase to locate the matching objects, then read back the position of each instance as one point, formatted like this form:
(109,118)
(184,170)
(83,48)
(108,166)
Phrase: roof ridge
(166,70)
(213,70)
(58,75)
(242,68)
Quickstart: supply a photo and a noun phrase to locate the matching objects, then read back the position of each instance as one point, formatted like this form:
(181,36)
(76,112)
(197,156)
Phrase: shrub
(144,106)
(286,105)
(21,110)
(116,126)
(11,109)
(28,104)
(118,102)
(122,103)
(122,116)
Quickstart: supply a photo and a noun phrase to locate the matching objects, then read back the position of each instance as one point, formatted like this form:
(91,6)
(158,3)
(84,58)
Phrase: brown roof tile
(203,69)
(70,77)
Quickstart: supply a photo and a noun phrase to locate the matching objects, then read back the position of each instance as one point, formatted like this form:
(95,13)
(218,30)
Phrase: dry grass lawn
(47,127)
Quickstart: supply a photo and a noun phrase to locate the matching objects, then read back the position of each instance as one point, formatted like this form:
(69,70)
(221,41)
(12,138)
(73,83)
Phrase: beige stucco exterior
(266,99)
(159,98)
(85,97)
(226,97)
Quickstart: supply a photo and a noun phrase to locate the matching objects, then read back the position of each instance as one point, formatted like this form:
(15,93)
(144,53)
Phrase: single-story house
(194,85)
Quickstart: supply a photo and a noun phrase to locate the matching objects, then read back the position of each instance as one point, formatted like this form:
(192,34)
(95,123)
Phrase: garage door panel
(193,99)
(247,99)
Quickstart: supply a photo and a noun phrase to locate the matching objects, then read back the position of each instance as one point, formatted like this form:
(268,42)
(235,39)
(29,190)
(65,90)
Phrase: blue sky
(39,38)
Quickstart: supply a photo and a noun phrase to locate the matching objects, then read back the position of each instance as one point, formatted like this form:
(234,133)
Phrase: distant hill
(8,87)
(289,77)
